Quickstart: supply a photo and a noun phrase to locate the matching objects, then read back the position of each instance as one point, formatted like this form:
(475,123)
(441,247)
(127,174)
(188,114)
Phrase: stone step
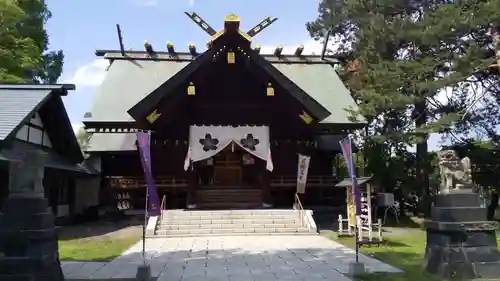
(232,234)
(225,226)
(227,204)
(237,231)
(231,217)
(224,212)
(233,221)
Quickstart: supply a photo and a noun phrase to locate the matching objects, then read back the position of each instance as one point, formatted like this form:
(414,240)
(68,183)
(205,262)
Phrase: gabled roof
(126,83)
(321,82)
(20,102)
(16,106)
(311,80)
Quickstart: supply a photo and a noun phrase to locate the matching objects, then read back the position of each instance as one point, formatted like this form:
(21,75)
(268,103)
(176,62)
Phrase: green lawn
(95,248)
(405,253)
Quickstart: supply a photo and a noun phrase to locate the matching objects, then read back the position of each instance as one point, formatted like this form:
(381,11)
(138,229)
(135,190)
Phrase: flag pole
(356,236)
(144,228)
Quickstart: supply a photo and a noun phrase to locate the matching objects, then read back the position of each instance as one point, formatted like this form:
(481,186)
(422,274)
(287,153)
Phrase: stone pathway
(236,258)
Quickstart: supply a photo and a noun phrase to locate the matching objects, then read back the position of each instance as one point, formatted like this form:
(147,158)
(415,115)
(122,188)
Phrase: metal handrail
(162,206)
(300,209)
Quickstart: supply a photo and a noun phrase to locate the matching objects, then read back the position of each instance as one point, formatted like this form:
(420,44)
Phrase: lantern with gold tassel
(270,90)
(191,91)
(231,58)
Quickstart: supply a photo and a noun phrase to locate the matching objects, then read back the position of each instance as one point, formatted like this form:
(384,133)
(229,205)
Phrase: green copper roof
(125,84)
(129,81)
(321,82)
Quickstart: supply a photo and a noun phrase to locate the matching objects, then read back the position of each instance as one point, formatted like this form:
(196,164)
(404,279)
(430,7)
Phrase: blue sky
(79,27)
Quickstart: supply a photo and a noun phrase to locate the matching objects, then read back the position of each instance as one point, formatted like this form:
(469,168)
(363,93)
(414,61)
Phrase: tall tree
(405,52)
(24,56)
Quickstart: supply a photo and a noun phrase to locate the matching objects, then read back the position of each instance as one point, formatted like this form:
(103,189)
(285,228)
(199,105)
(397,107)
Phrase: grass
(95,248)
(405,253)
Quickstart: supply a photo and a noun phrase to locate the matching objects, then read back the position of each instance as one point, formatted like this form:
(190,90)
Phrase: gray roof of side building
(19,101)
(16,105)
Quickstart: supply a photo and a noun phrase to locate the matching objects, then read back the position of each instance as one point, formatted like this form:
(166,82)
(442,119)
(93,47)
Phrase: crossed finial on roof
(230,18)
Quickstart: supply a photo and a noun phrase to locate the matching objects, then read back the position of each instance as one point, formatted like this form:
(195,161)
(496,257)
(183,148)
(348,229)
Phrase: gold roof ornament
(153,116)
(192,49)
(170,47)
(305,117)
(257,49)
(278,50)
(232,18)
(148,47)
(231,23)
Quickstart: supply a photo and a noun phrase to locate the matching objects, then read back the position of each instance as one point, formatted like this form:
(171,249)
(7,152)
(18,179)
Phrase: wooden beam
(165,56)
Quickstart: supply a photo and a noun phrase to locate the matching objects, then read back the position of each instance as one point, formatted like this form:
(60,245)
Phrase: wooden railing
(126,182)
(162,207)
(171,181)
(300,208)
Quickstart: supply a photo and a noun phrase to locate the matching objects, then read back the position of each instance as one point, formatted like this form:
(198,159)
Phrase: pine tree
(406,52)
(24,56)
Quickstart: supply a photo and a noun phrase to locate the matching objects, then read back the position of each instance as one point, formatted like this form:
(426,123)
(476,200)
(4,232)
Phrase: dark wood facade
(226,93)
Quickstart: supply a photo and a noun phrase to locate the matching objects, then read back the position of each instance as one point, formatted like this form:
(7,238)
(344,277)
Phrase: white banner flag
(302,169)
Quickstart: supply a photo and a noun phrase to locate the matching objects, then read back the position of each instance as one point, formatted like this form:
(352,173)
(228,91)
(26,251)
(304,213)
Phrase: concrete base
(143,273)
(356,269)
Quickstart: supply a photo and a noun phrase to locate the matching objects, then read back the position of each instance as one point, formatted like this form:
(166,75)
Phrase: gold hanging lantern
(191,91)
(270,90)
(231,57)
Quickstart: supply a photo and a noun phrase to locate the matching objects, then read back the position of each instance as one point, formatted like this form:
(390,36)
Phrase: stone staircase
(176,223)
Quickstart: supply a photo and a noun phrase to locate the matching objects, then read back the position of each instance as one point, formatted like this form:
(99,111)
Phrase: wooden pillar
(192,186)
(265,182)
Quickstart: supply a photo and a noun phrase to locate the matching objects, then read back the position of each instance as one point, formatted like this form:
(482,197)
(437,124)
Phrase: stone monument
(461,244)
(28,239)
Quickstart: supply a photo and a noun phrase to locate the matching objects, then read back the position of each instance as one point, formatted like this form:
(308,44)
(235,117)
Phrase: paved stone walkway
(236,258)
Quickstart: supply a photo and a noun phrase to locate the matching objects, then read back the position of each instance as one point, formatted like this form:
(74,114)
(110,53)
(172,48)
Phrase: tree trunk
(422,165)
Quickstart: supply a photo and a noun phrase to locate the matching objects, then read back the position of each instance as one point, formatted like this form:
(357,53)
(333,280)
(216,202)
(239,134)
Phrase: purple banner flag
(346,146)
(144,145)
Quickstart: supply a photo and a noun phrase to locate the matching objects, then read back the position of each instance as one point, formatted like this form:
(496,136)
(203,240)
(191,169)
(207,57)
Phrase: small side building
(33,117)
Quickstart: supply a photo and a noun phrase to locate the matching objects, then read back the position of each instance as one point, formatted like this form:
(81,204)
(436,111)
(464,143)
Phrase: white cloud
(88,75)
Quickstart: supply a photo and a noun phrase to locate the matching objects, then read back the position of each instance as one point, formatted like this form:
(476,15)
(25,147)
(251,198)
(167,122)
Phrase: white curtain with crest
(207,141)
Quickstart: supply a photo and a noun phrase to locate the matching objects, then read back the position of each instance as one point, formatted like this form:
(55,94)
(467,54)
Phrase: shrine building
(227,123)
(33,119)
